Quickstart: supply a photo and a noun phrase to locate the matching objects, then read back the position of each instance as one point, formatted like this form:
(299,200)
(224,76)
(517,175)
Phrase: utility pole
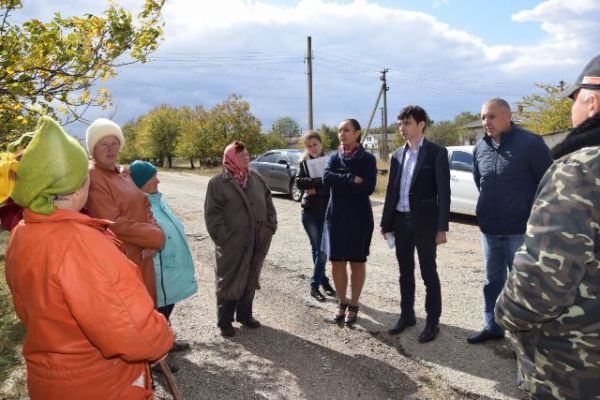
(384,89)
(381,151)
(309,74)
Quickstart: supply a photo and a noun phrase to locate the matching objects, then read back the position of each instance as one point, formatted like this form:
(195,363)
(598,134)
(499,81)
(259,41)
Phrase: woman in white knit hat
(115,197)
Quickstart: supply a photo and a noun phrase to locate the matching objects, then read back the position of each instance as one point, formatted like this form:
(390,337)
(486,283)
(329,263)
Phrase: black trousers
(407,238)
(241,308)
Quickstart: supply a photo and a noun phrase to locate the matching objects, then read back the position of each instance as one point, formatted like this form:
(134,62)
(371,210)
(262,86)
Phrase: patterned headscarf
(230,163)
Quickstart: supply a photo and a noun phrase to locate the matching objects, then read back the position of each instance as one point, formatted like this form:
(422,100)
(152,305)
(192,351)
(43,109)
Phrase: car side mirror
(283,162)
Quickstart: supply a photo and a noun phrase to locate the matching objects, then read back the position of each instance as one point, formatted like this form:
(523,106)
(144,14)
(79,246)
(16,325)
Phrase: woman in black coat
(350,175)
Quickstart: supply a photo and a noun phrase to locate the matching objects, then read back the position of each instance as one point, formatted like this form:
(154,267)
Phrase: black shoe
(227,331)
(484,336)
(180,346)
(429,333)
(251,323)
(316,293)
(351,320)
(402,324)
(328,289)
(338,318)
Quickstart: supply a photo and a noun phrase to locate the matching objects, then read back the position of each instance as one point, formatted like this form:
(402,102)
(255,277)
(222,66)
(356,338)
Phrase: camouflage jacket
(551,301)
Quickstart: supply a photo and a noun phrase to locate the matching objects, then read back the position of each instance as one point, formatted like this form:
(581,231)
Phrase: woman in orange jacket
(115,197)
(91,325)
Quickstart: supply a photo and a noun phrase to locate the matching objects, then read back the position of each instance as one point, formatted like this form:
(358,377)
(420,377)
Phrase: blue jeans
(314,229)
(498,254)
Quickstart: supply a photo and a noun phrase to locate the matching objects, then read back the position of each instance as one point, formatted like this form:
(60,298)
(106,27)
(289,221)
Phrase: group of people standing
(539,234)
(99,259)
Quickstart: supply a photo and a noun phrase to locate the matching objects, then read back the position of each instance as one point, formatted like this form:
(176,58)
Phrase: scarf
(585,135)
(230,164)
(348,153)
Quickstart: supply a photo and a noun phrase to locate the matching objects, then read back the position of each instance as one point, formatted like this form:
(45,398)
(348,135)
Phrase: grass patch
(210,172)
(382,179)
(12,332)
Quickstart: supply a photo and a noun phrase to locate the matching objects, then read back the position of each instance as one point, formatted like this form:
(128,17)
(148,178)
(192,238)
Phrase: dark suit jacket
(429,195)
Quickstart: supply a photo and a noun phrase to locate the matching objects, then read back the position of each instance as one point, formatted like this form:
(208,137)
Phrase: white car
(463,192)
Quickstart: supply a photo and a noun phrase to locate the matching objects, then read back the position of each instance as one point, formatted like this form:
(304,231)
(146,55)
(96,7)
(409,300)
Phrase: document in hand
(391,240)
(316,166)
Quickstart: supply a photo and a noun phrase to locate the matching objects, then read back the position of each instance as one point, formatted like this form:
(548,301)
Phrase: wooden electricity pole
(384,89)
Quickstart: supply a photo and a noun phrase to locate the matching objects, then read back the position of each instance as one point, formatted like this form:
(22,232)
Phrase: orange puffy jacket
(114,196)
(91,325)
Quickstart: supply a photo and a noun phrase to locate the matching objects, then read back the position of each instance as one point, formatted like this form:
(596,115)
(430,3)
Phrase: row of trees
(196,133)
(201,134)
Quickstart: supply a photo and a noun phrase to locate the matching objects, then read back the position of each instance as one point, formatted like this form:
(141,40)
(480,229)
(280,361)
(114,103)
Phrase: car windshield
(295,156)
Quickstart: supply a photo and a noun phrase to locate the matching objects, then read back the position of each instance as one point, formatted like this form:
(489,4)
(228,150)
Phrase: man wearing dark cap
(551,302)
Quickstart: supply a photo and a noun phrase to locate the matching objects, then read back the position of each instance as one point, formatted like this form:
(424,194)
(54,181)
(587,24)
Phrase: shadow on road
(285,366)
(476,360)
(463,219)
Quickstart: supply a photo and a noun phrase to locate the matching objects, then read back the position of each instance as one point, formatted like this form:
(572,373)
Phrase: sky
(447,56)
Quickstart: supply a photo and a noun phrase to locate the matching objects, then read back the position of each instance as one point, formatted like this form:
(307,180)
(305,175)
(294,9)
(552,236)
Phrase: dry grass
(382,179)
(12,369)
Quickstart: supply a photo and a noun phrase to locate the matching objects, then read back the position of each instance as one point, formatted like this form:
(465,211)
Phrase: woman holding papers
(351,174)
(314,204)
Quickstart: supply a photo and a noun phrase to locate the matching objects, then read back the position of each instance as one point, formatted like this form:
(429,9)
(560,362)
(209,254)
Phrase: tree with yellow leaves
(50,67)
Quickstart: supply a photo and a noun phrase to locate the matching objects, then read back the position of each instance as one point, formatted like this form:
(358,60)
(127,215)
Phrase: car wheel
(295,192)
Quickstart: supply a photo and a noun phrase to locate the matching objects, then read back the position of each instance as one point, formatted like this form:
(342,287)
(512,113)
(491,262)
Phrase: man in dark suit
(417,205)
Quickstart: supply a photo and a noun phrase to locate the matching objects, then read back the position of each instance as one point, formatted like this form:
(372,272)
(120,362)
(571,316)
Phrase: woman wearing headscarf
(91,325)
(241,220)
(173,264)
(351,175)
(114,196)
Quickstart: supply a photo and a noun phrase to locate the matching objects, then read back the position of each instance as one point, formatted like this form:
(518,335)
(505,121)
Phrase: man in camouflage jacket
(551,302)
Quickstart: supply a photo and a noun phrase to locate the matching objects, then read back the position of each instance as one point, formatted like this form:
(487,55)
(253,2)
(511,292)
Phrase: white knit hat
(99,129)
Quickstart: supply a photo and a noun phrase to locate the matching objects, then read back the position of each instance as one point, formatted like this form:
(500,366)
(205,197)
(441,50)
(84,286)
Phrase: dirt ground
(297,355)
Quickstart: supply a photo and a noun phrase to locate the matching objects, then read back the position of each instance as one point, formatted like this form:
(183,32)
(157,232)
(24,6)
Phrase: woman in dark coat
(241,220)
(314,205)
(350,175)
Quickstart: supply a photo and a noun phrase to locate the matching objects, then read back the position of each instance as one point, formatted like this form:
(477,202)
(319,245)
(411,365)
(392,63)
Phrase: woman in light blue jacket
(173,265)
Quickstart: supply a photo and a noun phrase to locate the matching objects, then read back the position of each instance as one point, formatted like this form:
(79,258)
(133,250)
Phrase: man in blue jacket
(508,163)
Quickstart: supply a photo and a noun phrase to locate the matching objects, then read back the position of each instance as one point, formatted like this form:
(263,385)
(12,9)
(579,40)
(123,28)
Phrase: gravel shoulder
(297,355)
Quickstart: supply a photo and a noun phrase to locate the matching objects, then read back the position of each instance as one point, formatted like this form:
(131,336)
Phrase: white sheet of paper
(391,240)
(316,166)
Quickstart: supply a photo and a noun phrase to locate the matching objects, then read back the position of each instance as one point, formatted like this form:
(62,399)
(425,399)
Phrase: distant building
(371,144)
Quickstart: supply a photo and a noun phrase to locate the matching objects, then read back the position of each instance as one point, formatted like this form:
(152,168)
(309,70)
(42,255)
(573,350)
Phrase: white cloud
(257,48)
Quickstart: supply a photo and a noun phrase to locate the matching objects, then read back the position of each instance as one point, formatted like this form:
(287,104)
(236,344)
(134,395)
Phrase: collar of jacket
(154,196)
(585,135)
(61,215)
(504,136)
(116,170)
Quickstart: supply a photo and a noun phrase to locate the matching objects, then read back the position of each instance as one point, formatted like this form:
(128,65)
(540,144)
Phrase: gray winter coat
(241,223)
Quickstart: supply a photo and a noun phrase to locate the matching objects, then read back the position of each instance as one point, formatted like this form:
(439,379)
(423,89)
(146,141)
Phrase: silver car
(463,192)
(279,168)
